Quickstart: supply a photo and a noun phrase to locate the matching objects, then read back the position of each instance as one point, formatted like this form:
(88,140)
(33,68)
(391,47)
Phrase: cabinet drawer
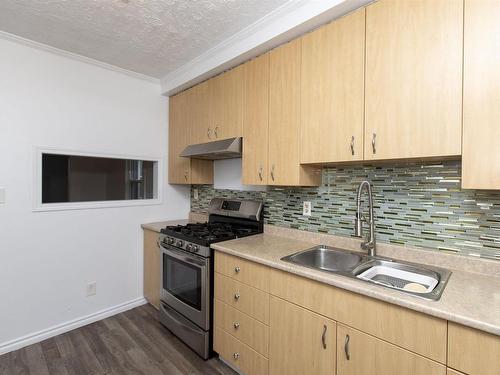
(472,351)
(239,355)
(243,270)
(246,329)
(247,299)
(420,333)
(359,353)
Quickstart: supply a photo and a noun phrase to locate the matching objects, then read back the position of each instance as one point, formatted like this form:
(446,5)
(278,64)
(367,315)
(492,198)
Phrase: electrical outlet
(91,289)
(195,194)
(306,209)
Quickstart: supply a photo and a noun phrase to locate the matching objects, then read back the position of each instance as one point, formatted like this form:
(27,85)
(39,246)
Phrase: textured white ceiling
(151,37)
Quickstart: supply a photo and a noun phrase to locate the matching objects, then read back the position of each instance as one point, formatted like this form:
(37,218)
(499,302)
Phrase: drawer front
(242,270)
(472,351)
(246,329)
(420,333)
(239,355)
(251,301)
(359,353)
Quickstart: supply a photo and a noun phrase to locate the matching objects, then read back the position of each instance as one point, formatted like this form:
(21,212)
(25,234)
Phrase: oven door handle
(182,256)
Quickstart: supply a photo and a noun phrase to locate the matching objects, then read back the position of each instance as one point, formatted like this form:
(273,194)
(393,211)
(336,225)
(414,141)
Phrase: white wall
(47,258)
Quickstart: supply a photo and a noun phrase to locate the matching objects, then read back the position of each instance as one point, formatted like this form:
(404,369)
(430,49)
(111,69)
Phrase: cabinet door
(255,120)
(359,353)
(200,109)
(413,78)
(178,139)
(332,92)
(226,104)
(481,154)
(301,342)
(284,119)
(473,352)
(151,268)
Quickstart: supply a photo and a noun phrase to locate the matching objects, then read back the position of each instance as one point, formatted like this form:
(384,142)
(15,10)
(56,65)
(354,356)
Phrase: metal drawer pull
(236,296)
(215,131)
(260,173)
(209,133)
(323,336)
(236,325)
(352,145)
(373,143)
(272,172)
(236,355)
(237,269)
(346,347)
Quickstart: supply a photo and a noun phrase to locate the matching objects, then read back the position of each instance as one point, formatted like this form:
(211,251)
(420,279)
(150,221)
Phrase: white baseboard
(35,337)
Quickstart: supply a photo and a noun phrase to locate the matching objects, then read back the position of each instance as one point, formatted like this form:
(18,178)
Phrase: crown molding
(285,23)
(74,56)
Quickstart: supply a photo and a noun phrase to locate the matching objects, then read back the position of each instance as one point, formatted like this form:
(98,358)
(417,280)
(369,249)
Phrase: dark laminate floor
(133,342)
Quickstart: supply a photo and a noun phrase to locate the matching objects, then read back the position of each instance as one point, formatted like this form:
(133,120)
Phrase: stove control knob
(170,240)
(189,247)
(195,248)
(179,243)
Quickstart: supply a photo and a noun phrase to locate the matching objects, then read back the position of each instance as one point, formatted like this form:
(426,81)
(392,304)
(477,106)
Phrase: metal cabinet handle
(236,296)
(215,131)
(272,172)
(237,269)
(236,355)
(323,336)
(373,143)
(260,172)
(346,347)
(209,133)
(236,325)
(186,175)
(352,145)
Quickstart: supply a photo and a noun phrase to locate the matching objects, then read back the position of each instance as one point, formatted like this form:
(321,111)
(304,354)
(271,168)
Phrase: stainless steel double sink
(423,281)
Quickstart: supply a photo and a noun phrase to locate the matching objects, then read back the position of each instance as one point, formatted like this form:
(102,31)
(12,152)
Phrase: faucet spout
(369,244)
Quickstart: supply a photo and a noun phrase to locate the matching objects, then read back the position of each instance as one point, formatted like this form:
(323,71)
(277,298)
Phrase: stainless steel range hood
(223,149)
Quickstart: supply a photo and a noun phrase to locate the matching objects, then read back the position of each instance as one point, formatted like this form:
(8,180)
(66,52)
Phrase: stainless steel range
(187,272)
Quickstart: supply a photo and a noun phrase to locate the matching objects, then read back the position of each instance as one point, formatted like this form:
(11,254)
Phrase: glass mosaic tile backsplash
(419,205)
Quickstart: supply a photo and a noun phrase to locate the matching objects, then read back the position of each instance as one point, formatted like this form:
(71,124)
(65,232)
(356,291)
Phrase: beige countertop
(162,224)
(471,299)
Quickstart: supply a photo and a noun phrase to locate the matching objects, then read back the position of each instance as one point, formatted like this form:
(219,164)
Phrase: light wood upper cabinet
(332,91)
(473,352)
(179,169)
(413,78)
(302,342)
(151,268)
(284,119)
(184,115)
(256,121)
(199,106)
(225,105)
(481,128)
(359,353)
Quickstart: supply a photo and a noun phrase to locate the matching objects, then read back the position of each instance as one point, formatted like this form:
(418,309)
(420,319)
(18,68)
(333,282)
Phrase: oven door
(185,279)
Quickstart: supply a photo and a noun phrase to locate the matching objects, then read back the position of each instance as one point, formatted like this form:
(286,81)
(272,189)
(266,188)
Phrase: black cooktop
(207,233)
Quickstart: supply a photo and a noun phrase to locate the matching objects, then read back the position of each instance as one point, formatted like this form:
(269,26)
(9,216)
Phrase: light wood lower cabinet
(249,300)
(240,325)
(450,371)
(420,333)
(473,352)
(243,270)
(151,268)
(239,355)
(359,353)
(302,342)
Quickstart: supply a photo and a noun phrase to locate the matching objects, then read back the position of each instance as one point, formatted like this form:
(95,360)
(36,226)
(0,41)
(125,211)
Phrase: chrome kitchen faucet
(369,243)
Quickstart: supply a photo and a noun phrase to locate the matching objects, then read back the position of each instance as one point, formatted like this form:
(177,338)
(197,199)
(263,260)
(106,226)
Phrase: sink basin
(327,259)
(423,281)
